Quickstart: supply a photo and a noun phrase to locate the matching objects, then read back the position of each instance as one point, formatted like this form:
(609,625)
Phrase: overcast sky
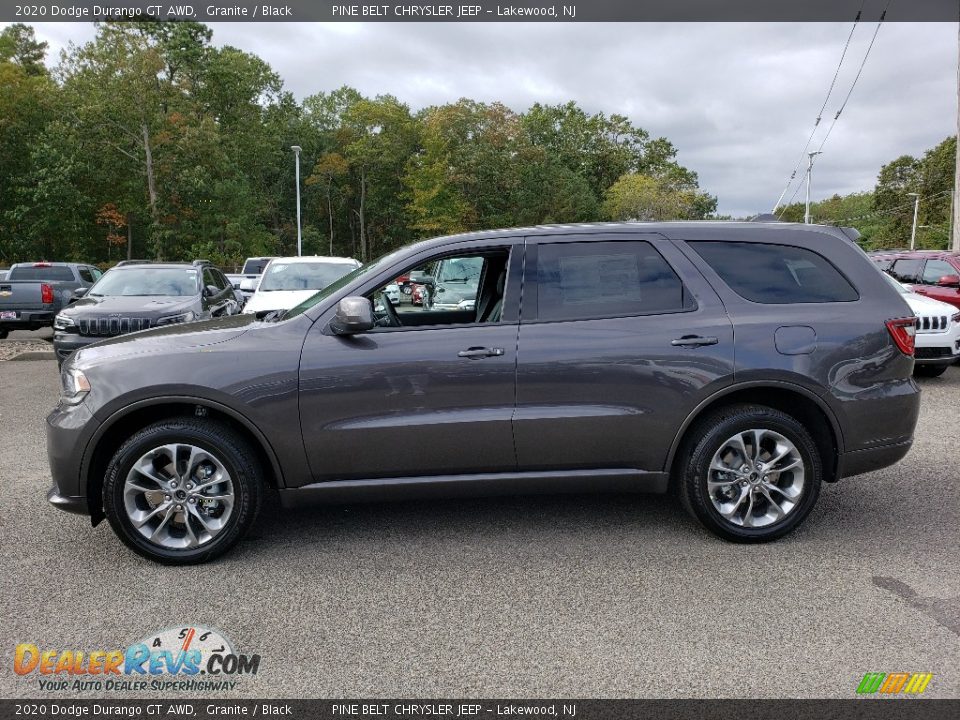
(737,100)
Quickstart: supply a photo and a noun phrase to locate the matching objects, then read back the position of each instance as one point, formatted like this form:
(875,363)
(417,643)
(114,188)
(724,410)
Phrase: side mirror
(949,281)
(77,294)
(354,315)
(210,290)
(248,285)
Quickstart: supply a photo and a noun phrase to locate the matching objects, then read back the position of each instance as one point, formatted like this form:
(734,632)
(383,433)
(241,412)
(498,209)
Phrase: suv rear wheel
(182,490)
(750,473)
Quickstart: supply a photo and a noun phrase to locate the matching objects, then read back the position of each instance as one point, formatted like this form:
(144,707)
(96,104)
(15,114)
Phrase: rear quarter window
(776,274)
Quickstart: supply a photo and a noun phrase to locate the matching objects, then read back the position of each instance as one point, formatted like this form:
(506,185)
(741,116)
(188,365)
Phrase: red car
(934,273)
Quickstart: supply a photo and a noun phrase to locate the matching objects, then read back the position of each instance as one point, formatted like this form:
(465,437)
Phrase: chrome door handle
(694,341)
(479,352)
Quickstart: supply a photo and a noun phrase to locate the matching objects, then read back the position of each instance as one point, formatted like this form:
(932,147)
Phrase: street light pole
(955,208)
(806,213)
(296,151)
(916,210)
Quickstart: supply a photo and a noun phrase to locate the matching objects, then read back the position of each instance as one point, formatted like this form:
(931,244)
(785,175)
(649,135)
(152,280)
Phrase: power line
(876,30)
(889,211)
(843,105)
(816,123)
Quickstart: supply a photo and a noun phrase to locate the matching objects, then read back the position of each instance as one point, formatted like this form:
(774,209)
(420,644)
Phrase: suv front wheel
(182,490)
(750,473)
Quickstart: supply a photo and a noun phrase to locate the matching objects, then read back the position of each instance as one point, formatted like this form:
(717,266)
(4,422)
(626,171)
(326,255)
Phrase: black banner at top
(198,709)
(484,11)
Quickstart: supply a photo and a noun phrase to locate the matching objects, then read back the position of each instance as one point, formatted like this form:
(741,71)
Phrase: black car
(739,364)
(140,295)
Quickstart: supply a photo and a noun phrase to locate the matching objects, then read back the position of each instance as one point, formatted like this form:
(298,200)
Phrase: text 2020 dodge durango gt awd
(739,364)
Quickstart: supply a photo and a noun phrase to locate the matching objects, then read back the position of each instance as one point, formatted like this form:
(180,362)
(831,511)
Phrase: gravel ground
(9,349)
(23,341)
(566,596)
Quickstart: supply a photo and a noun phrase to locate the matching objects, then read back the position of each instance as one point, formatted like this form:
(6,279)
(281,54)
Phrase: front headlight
(62,322)
(174,319)
(74,386)
(955,317)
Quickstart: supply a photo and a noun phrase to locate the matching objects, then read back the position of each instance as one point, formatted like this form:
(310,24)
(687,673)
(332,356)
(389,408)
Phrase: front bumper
(69,428)
(66,344)
(938,348)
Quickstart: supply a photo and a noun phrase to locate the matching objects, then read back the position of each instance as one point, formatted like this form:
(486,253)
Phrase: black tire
(3,334)
(930,371)
(214,437)
(709,435)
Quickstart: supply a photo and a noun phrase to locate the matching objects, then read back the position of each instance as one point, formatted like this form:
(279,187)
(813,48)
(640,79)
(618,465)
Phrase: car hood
(167,338)
(128,306)
(920,304)
(276,300)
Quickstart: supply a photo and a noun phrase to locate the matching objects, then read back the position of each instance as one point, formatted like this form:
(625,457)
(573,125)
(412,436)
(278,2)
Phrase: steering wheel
(390,317)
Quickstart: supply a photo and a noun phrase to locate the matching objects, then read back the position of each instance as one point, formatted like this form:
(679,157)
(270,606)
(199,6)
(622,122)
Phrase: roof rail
(201,262)
(134,262)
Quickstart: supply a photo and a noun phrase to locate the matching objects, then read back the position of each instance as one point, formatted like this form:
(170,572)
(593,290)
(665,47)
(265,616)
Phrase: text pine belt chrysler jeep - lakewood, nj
(739,365)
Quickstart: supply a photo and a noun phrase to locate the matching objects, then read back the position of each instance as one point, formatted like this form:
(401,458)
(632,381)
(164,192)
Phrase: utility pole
(810,156)
(955,214)
(296,151)
(916,210)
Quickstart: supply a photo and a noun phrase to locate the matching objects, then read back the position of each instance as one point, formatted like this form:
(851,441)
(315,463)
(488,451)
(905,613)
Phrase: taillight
(42,264)
(46,294)
(903,332)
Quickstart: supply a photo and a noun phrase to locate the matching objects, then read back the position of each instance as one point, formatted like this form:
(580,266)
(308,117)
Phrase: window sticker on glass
(599,278)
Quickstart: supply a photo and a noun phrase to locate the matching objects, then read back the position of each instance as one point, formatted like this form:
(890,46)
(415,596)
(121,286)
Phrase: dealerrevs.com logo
(894,683)
(183,658)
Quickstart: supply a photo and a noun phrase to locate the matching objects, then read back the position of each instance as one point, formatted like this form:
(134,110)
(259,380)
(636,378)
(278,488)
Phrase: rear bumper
(864,461)
(67,503)
(28,320)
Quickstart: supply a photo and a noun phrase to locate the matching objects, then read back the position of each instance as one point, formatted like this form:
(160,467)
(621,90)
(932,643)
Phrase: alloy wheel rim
(756,478)
(178,496)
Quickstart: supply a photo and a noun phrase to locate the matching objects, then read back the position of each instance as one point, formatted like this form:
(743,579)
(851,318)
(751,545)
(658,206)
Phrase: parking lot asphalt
(570,596)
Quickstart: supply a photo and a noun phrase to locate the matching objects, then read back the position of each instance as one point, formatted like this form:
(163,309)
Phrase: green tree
(19,45)
(644,197)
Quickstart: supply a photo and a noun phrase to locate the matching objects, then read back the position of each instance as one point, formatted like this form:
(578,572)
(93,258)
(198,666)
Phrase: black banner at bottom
(193,709)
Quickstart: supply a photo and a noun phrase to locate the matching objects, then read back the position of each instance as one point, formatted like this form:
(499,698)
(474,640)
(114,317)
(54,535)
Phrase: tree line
(150,139)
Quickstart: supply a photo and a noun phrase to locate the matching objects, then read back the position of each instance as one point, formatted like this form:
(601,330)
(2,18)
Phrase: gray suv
(739,365)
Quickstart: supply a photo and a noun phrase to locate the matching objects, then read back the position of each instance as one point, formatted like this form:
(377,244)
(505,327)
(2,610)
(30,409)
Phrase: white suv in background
(288,281)
(937,340)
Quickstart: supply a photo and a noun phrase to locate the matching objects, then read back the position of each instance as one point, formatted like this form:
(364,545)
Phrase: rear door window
(776,274)
(590,280)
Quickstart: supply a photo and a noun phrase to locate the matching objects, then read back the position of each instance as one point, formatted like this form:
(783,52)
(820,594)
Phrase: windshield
(302,275)
(460,270)
(147,281)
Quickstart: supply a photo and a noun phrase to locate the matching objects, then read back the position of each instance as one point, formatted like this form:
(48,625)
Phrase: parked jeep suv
(739,364)
(139,295)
